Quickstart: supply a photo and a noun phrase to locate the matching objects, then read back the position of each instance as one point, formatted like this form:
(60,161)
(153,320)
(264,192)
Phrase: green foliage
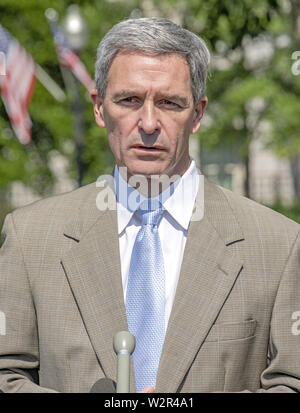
(292,212)
(222,19)
(231,90)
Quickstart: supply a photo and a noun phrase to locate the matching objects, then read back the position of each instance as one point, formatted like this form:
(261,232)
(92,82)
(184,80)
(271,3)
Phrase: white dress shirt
(173,227)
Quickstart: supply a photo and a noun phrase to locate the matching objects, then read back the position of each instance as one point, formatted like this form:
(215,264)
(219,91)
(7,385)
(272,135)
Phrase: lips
(152,148)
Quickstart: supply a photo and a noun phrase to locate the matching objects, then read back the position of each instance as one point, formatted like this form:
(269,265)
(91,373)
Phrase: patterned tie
(145,299)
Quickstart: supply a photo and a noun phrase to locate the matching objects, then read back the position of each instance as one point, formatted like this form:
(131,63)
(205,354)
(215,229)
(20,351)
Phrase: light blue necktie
(145,299)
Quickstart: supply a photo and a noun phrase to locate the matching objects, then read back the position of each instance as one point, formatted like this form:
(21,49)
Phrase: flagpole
(72,84)
(76,33)
(50,85)
(52,17)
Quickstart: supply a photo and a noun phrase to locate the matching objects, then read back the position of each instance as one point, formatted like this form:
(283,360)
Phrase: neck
(149,186)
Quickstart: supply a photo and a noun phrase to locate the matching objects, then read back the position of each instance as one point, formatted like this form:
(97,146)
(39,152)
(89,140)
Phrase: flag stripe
(69,59)
(17,85)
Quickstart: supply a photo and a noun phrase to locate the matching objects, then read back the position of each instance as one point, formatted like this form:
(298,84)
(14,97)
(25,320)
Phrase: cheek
(110,121)
(121,124)
(118,131)
(179,133)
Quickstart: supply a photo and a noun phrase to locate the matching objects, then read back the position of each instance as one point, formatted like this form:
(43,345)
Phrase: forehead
(136,70)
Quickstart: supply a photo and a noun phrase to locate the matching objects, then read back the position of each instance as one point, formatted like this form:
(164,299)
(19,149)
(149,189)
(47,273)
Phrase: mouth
(148,149)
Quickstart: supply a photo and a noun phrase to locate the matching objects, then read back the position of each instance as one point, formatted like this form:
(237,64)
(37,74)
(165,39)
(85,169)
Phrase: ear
(98,108)
(198,113)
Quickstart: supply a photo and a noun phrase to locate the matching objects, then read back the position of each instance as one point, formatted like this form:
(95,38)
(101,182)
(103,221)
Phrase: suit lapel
(93,269)
(209,270)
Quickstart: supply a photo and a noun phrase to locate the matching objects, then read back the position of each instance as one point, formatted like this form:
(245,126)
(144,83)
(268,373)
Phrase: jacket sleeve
(283,372)
(19,346)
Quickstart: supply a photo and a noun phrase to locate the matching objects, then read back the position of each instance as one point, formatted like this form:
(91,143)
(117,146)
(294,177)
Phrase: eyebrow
(128,92)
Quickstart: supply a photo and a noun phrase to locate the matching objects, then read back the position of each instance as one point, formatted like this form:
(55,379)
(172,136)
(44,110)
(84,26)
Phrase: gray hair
(153,36)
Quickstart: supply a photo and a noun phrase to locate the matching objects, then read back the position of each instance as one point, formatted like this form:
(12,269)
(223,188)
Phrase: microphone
(104,385)
(124,345)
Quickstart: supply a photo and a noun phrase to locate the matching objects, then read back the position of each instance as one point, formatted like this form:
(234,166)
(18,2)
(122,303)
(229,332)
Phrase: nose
(148,120)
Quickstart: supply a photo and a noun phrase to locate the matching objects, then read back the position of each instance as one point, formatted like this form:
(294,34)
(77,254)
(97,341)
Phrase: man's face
(149,113)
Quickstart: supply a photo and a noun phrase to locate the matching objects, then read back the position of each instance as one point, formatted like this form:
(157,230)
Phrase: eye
(129,100)
(169,103)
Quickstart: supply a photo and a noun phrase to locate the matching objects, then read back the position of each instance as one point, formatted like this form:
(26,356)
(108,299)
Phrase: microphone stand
(124,345)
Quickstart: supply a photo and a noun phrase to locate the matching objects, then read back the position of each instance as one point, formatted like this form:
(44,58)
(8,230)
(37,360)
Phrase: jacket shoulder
(59,207)
(252,214)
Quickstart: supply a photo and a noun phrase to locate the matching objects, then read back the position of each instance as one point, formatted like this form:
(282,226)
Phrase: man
(213,299)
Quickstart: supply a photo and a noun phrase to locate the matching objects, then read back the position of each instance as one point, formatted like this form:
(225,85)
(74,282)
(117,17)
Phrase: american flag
(17,85)
(69,59)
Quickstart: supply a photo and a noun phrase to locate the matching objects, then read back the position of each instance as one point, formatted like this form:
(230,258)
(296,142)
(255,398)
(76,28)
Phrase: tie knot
(150,216)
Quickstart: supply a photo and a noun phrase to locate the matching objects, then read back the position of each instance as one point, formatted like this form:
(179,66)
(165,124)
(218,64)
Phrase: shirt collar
(178,199)
(180,204)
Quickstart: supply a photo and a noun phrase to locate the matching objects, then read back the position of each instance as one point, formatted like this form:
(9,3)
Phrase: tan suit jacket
(233,325)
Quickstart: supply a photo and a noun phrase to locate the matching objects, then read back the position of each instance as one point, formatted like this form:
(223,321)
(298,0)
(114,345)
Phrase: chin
(146,171)
(145,168)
